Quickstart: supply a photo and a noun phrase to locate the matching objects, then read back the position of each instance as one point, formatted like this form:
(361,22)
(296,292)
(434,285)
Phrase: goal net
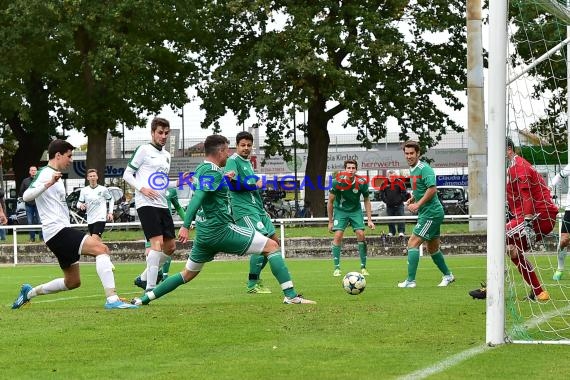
(537,303)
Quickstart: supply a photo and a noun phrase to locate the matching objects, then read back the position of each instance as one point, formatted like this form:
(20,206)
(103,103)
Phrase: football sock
(165,287)
(362,251)
(281,273)
(413,261)
(143,274)
(525,268)
(440,262)
(255,264)
(104,269)
(336,255)
(152,264)
(561,259)
(54,286)
(166,266)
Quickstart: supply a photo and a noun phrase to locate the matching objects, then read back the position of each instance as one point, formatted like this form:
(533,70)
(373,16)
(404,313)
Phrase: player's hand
(330,227)
(413,208)
(82,207)
(3,219)
(371,225)
(110,217)
(150,193)
(231,174)
(183,235)
(54,178)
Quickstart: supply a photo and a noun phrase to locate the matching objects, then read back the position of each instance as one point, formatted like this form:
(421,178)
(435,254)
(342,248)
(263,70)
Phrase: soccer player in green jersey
(426,204)
(343,208)
(216,232)
(247,206)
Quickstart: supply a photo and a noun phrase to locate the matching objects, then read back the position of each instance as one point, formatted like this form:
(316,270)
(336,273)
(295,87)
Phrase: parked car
(454,199)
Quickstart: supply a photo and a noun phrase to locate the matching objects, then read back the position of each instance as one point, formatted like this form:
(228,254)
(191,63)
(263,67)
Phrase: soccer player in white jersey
(65,242)
(98,202)
(564,240)
(147,171)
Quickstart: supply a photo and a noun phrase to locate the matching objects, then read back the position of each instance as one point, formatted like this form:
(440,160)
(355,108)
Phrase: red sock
(525,268)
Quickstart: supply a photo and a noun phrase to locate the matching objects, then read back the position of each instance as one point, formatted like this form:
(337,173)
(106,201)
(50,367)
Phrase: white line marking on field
(467,354)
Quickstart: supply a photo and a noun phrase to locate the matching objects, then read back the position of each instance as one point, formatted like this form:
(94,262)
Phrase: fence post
(15,244)
(282,231)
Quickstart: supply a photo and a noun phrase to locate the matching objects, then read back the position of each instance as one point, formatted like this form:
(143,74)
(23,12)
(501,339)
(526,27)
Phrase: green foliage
(92,66)
(535,32)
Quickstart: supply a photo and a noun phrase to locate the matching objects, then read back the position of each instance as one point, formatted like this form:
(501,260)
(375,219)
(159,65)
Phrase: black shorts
(96,228)
(66,246)
(156,221)
(566,223)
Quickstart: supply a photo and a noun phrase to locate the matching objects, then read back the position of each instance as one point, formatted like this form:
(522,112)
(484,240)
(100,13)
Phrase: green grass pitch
(212,329)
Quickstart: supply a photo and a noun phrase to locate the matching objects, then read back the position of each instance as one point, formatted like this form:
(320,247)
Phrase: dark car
(454,199)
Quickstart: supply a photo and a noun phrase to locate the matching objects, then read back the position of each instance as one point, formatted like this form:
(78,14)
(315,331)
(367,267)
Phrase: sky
(193,116)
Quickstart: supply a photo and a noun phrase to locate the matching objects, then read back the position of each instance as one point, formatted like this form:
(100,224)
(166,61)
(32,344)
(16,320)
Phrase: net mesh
(537,124)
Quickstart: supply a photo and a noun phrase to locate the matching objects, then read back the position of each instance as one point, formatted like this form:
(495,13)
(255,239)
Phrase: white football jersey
(151,168)
(51,204)
(99,202)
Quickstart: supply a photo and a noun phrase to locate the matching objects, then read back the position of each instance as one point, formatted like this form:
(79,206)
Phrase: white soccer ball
(354,283)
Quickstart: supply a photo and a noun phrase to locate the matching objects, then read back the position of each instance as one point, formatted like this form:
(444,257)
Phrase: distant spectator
(31,208)
(3,205)
(394,195)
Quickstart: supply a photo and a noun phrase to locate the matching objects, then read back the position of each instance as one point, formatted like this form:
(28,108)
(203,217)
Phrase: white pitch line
(467,354)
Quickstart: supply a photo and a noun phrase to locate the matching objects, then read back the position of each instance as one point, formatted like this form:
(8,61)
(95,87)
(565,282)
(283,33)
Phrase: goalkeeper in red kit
(534,215)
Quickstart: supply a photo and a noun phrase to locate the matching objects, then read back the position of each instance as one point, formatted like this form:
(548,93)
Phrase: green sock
(336,256)
(168,285)
(255,265)
(413,261)
(166,266)
(362,251)
(440,262)
(281,273)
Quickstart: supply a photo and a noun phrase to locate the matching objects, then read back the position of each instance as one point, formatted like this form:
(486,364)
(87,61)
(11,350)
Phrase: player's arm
(110,204)
(330,209)
(193,207)
(39,185)
(368,209)
(429,194)
(81,201)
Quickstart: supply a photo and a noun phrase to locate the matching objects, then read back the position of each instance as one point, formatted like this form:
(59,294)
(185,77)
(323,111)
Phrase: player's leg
(105,270)
(517,243)
(340,222)
(414,243)
(357,223)
(256,260)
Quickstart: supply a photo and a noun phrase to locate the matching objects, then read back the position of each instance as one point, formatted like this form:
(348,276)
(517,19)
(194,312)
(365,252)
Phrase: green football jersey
(422,178)
(347,192)
(216,209)
(245,202)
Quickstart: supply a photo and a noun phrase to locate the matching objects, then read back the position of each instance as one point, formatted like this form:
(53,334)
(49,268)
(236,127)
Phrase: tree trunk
(96,152)
(318,147)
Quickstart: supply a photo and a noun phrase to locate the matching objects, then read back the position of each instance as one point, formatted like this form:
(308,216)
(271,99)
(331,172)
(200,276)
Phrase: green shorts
(428,228)
(259,222)
(341,220)
(229,238)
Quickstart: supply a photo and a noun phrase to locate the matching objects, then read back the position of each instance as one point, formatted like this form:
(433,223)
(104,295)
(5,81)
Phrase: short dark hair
(351,162)
(214,143)
(510,143)
(244,135)
(58,146)
(92,171)
(159,122)
(412,144)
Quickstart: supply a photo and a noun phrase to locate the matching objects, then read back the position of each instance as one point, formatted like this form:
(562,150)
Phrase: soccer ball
(354,283)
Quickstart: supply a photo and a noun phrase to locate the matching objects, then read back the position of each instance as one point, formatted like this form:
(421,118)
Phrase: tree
(104,64)
(372,60)
(537,31)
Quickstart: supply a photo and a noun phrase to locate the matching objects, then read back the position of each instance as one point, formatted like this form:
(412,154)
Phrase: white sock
(105,271)
(152,264)
(54,286)
(561,258)
(163,258)
(143,274)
